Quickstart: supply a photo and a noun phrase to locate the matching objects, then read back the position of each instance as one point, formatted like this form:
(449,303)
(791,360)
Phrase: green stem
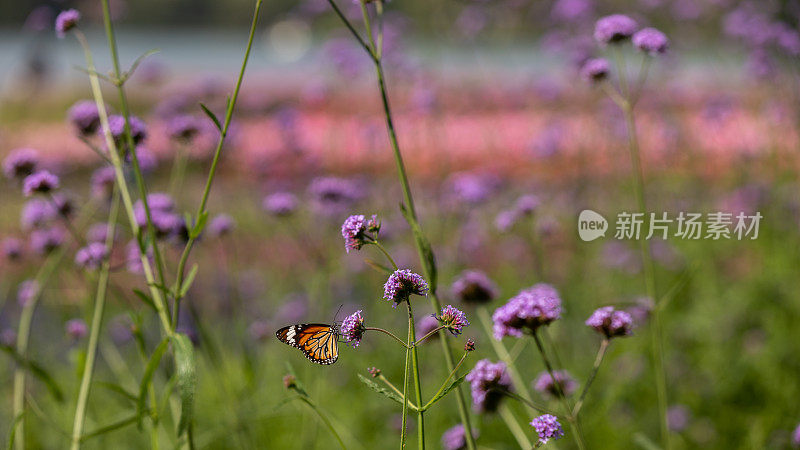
(513,426)
(405,390)
(385,253)
(94,334)
(417,385)
(325,420)
(397,391)
(389,333)
(444,383)
(431,333)
(597,361)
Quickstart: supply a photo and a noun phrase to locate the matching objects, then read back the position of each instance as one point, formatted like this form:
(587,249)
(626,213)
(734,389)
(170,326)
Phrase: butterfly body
(317,341)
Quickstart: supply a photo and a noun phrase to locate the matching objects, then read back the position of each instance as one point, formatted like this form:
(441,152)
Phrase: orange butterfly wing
(318,342)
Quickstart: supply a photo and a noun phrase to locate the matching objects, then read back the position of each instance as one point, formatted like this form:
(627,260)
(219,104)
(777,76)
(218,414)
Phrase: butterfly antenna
(337,313)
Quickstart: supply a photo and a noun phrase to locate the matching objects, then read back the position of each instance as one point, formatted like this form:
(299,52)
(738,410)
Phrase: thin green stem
(417,385)
(444,383)
(514,428)
(533,405)
(324,419)
(405,390)
(597,361)
(385,253)
(389,333)
(97,321)
(409,403)
(431,333)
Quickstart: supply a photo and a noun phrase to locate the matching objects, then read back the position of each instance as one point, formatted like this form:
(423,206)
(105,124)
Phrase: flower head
(280,204)
(487,381)
(474,287)
(544,383)
(220,225)
(12,248)
(44,241)
(527,204)
(595,69)
(455,438)
(610,323)
(37,213)
(8,337)
(401,284)
(374,371)
(796,436)
(354,232)
(98,232)
(103,182)
(76,328)
(425,325)
(332,196)
(116,125)
(20,163)
(352,329)
(65,21)
(527,311)
(469,346)
(183,127)
(547,427)
(83,115)
(91,256)
(40,182)
(453,319)
(650,40)
(677,418)
(614,28)
(27,291)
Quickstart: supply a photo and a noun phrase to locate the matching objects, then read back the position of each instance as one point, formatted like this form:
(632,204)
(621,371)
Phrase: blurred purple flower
(8,337)
(571,10)
(527,204)
(618,255)
(455,438)
(103,182)
(184,127)
(116,125)
(40,182)
(611,323)
(595,69)
(20,163)
(474,287)
(424,326)
(280,204)
(39,19)
(27,291)
(12,248)
(259,330)
(401,284)
(352,329)
(614,28)
(76,329)
(97,232)
(677,418)
(44,241)
(37,213)
(221,225)
(293,309)
(505,220)
(65,21)
(469,188)
(332,196)
(133,257)
(345,55)
(92,256)
(650,40)
(63,204)
(487,382)
(121,329)
(796,436)
(471,21)
(83,115)
(547,427)
(641,310)
(453,319)
(544,383)
(527,311)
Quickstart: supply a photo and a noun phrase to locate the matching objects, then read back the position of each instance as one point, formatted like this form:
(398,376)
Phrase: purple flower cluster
(469,188)
(37,213)
(162,211)
(102,182)
(221,225)
(527,311)
(116,125)
(354,232)
(20,163)
(402,284)
(525,205)
(12,248)
(544,383)
(44,241)
(650,40)
(547,427)
(332,196)
(280,204)
(65,21)
(487,382)
(92,256)
(184,127)
(614,28)
(133,257)
(796,437)
(352,329)
(595,69)
(83,115)
(425,325)
(453,319)
(474,287)
(455,438)
(97,232)
(76,329)
(40,182)
(610,323)
(27,291)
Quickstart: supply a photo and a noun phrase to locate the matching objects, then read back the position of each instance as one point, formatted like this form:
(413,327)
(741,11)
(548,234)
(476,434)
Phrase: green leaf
(136,63)
(386,392)
(13,432)
(37,371)
(186,373)
(146,299)
(444,392)
(187,282)
(200,225)
(147,378)
(111,427)
(212,116)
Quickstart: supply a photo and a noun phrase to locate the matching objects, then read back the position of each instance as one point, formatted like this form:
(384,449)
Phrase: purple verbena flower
(425,325)
(401,284)
(65,21)
(44,241)
(595,69)
(27,291)
(116,125)
(352,329)
(332,196)
(455,438)
(469,188)
(527,204)
(677,418)
(474,287)
(76,329)
(650,40)
(614,28)
(97,232)
(37,213)
(280,204)
(544,383)
(184,127)
(571,10)
(102,182)
(8,337)
(40,182)
(527,311)
(506,219)
(12,248)
(20,163)
(547,427)
(487,382)
(83,115)
(220,225)
(610,323)
(133,257)
(354,232)
(453,319)
(64,205)
(92,256)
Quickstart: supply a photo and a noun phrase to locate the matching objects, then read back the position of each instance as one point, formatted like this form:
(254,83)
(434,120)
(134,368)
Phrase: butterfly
(316,340)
